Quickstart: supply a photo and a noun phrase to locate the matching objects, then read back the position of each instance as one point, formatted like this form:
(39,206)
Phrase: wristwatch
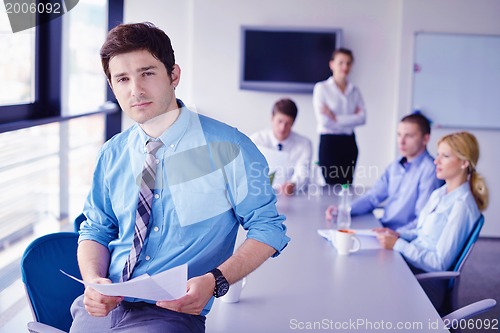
(221,284)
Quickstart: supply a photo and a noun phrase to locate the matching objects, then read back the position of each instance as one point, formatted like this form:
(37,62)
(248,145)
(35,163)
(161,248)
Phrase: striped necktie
(143,212)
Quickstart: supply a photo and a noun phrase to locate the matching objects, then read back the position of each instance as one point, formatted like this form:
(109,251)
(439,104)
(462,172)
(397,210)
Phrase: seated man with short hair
(407,183)
(281,138)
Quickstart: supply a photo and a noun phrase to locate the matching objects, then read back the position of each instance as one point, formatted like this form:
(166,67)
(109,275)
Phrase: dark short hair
(344,51)
(287,107)
(126,38)
(420,120)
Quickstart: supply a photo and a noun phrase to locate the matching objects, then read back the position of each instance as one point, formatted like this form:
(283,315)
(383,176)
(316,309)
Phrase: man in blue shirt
(210,178)
(407,183)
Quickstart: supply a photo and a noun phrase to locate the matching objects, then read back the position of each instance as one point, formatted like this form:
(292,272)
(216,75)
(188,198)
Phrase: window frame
(46,107)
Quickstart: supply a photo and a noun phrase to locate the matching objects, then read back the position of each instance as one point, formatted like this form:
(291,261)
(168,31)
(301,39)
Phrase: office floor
(481,279)
(15,312)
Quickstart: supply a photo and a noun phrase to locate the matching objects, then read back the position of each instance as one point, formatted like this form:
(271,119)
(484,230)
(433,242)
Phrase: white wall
(205,36)
(213,41)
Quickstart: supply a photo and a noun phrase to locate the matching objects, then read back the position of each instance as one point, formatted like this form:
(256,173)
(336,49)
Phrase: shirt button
(172,145)
(147,258)
(157,196)
(157,161)
(156,229)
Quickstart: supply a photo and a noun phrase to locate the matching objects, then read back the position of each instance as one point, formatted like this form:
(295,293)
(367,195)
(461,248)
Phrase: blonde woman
(449,216)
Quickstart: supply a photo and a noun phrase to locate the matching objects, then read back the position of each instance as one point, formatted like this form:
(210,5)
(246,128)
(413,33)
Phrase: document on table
(366,237)
(165,286)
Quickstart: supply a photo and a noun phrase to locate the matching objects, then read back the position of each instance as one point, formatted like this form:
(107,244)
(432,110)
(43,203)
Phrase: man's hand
(331,212)
(387,237)
(199,291)
(99,305)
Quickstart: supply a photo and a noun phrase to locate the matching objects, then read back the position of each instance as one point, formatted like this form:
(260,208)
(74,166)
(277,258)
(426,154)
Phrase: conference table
(310,287)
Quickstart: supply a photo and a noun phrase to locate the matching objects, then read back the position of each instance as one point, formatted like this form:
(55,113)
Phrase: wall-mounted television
(286,59)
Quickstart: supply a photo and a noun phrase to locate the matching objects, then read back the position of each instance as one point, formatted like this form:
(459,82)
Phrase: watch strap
(219,280)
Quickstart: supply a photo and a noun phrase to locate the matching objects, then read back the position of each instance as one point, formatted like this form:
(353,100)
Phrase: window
(85,28)
(17,64)
(50,126)
(33,161)
(17,71)
(53,72)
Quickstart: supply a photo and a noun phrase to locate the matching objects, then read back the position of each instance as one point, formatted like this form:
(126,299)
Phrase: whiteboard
(456,79)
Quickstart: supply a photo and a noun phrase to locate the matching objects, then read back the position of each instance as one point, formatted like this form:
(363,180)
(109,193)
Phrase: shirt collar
(416,161)
(349,87)
(447,199)
(285,142)
(174,133)
(403,162)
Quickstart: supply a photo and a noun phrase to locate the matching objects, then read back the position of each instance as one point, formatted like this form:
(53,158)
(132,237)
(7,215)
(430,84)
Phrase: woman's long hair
(466,147)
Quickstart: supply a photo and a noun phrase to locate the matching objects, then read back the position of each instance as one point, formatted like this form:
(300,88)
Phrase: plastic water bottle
(344,208)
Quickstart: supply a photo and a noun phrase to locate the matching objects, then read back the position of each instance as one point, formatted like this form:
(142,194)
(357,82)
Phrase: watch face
(222,288)
(221,284)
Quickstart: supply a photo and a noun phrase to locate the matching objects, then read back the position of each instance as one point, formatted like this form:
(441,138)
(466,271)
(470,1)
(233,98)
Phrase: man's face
(282,126)
(142,85)
(411,141)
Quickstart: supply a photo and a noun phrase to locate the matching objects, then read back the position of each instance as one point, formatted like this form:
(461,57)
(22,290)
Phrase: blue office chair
(450,296)
(78,221)
(471,310)
(455,320)
(51,293)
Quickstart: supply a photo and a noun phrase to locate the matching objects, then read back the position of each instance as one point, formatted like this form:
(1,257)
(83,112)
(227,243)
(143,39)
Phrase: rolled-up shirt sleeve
(255,207)
(100,225)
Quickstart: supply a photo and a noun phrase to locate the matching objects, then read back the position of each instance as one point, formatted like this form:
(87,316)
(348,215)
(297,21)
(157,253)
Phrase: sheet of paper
(369,242)
(366,237)
(167,285)
(278,162)
(364,232)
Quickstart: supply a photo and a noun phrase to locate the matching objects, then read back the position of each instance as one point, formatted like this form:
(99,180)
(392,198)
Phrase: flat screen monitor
(286,59)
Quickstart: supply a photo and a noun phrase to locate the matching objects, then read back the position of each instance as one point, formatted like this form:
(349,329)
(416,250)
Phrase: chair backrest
(79,219)
(457,267)
(50,292)
(469,244)
(431,282)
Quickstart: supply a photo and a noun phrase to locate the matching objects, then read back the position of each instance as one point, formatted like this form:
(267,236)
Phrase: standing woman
(448,218)
(339,108)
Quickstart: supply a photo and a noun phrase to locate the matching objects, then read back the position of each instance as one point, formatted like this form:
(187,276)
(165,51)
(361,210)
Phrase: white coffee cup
(234,292)
(346,242)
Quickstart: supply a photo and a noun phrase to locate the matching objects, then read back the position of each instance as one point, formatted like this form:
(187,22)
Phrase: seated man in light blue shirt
(407,183)
(181,202)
